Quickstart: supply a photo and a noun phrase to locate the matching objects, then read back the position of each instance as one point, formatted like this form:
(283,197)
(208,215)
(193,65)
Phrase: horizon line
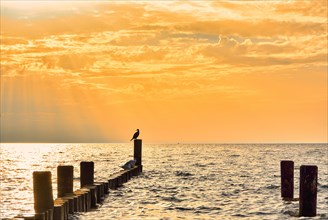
(165,142)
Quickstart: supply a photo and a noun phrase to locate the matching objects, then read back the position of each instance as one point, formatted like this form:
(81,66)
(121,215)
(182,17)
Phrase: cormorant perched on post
(135,136)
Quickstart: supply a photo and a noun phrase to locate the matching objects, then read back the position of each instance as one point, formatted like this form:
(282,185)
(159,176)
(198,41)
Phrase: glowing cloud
(88,71)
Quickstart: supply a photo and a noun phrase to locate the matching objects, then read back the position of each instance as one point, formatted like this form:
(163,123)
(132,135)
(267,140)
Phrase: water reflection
(18,161)
(179,181)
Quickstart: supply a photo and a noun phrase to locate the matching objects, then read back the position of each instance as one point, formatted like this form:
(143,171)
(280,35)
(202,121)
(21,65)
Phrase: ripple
(149,202)
(181,208)
(182,173)
(209,187)
(172,199)
(240,215)
(234,155)
(293,213)
(208,208)
(323,186)
(271,186)
(199,165)
(261,213)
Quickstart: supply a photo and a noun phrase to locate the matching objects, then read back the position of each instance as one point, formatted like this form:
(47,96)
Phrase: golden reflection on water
(179,181)
(27,154)
(19,161)
(18,183)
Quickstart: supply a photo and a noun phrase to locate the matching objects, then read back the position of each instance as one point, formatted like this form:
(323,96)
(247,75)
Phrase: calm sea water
(181,181)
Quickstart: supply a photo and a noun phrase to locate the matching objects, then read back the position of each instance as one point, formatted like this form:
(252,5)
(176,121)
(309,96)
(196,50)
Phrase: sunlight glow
(209,71)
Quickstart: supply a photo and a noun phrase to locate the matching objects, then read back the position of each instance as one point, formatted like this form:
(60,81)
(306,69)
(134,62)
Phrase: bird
(128,165)
(135,135)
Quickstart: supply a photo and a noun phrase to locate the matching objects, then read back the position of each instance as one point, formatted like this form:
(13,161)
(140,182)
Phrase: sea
(179,181)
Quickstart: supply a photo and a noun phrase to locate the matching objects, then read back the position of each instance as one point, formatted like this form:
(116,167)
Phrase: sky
(180,71)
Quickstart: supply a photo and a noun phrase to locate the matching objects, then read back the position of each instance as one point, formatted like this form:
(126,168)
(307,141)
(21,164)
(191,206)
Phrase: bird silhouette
(135,135)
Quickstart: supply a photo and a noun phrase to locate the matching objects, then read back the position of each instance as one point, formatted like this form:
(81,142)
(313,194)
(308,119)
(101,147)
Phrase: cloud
(307,8)
(280,52)
(263,28)
(132,17)
(85,61)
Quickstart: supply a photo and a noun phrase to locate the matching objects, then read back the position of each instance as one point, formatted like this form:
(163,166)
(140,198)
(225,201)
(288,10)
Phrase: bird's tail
(131,139)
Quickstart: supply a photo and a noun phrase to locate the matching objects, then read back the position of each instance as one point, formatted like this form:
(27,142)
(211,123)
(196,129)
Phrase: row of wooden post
(307,186)
(82,200)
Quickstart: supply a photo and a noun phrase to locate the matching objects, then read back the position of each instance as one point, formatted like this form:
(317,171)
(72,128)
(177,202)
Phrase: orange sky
(180,71)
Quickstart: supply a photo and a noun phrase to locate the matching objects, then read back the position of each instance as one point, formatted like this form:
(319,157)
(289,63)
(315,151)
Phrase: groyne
(84,199)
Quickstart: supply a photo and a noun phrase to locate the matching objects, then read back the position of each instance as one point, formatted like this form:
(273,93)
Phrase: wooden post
(86,173)
(82,200)
(76,204)
(64,180)
(101,187)
(85,198)
(138,151)
(70,200)
(287,179)
(113,183)
(39,216)
(87,193)
(308,191)
(42,189)
(106,187)
(64,210)
(46,215)
(93,195)
(59,212)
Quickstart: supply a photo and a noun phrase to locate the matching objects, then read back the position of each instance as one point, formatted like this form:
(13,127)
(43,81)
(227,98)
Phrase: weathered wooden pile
(84,199)
(307,187)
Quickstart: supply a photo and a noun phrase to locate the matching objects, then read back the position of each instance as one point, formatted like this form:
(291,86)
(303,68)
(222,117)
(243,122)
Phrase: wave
(199,165)
(203,185)
(240,215)
(183,173)
(290,212)
(271,186)
(148,202)
(172,199)
(202,207)
(234,155)
(181,208)
(323,186)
